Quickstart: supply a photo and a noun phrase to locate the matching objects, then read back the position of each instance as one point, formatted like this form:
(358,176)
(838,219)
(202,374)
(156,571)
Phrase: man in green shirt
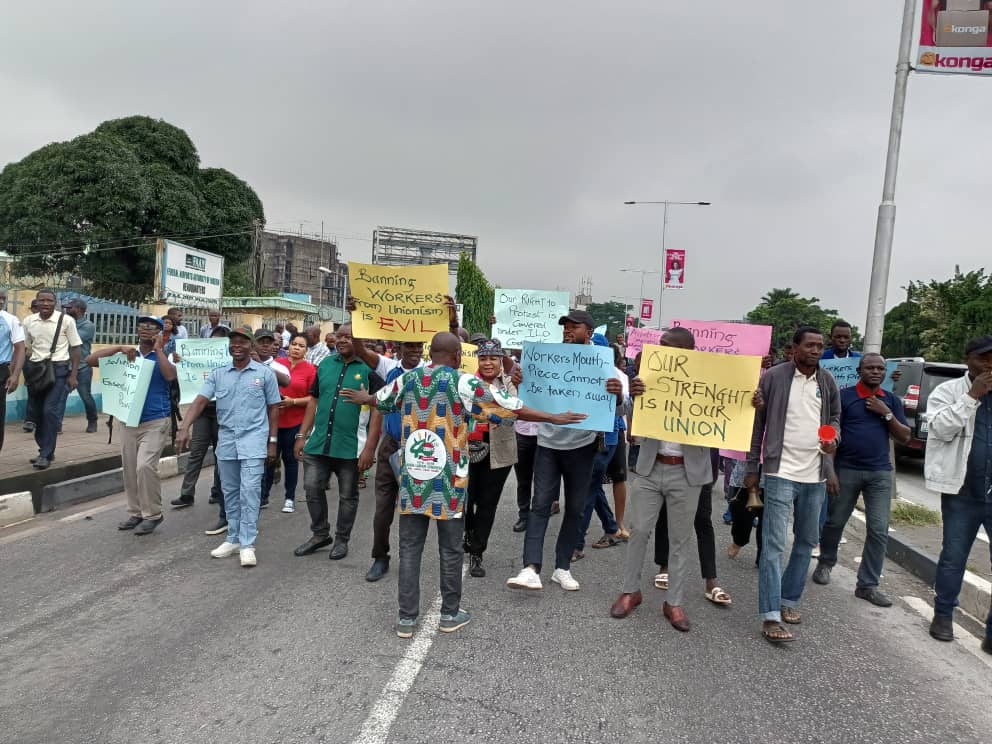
(327,443)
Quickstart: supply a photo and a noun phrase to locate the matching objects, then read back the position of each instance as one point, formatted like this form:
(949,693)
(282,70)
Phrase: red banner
(647,309)
(674,269)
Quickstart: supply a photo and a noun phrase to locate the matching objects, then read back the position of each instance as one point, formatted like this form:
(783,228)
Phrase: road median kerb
(15,507)
(105,483)
(976,592)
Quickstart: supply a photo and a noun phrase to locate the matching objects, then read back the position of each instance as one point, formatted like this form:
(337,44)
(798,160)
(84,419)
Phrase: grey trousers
(413,535)
(141,449)
(665,484)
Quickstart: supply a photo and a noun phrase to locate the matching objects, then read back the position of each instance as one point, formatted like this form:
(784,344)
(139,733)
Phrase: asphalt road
(107,637)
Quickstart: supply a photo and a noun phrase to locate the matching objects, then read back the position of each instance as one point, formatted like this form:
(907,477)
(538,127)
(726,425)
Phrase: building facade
(292,264)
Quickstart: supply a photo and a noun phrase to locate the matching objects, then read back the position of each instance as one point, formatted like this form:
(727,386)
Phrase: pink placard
(728,338)
(640,336)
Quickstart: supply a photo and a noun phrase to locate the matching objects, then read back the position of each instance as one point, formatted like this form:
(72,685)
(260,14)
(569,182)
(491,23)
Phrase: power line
(102,249)
(70,244)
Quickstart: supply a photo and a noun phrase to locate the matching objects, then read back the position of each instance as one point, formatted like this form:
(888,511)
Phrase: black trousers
(740,529)
(485,486)
(705,537)
(4,376)
(524,469)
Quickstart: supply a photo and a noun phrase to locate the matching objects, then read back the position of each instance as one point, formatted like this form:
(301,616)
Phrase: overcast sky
(529,123)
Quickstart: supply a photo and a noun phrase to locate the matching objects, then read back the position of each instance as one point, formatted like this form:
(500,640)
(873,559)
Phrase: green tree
(476,294)
(611,314)
(950,313)
(95,204)
(785,311)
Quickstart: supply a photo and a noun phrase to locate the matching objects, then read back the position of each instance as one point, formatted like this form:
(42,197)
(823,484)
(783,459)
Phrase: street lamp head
(703,204)
(324,270)
(630,202)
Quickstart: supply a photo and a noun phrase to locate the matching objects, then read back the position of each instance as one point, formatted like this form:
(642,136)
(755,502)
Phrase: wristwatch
(273,440)
(887,417)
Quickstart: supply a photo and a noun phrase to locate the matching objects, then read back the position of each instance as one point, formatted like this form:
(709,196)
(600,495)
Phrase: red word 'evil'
(412,325)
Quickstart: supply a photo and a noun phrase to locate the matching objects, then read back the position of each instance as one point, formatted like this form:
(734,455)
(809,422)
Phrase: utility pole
(257,273)
(885,227)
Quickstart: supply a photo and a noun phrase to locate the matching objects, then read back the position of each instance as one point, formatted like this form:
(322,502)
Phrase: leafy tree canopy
(785,311)
(70,206)
(938,318)
(611,314)
(476,295)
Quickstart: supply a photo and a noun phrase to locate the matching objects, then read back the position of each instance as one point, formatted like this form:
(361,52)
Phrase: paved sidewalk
(74,446)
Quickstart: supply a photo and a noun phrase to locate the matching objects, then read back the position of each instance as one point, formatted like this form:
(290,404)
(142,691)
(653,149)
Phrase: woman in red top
(295,398)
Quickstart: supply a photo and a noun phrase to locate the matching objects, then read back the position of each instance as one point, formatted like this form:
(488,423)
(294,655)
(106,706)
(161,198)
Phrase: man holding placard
(142,444)
(564,454)
(796,433)
(668,474)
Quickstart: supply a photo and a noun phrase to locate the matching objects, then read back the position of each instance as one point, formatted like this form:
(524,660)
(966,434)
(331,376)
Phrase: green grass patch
(914,515)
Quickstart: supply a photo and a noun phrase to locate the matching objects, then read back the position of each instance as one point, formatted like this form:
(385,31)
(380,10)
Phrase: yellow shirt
(38,337)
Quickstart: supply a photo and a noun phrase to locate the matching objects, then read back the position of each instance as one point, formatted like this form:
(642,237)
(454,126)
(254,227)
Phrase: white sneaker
(289,507)
(526,579)
(564,579)
(226,550)
(816,552)
(248,558)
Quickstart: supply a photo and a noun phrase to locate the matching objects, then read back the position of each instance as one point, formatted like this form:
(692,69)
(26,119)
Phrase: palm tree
(780,295)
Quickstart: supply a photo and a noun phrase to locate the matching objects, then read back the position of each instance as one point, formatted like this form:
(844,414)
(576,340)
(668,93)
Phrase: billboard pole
(885,227)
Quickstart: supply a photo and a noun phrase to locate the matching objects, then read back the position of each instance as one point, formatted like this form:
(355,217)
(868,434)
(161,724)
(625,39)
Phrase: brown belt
(670,460)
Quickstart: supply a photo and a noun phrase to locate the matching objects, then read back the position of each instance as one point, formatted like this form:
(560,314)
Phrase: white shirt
(801,439)
(181,332)
(38,335)
(387,365)
(669,449)
(280,368)
(285,339)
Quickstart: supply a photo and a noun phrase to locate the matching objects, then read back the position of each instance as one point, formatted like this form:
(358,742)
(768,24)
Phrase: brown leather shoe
(676,616)
(625,604)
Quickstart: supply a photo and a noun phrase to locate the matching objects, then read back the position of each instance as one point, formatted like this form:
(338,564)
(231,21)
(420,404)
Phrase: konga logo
(943,62)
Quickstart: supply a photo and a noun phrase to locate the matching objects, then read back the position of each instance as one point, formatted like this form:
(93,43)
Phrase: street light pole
(885,227)
(664,233)
(642,272)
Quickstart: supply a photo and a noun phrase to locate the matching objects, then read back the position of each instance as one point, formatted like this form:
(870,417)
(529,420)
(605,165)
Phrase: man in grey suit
(666,474)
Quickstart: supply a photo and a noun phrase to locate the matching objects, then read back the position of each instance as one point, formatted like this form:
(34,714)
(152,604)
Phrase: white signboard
(528,316)
(188,276)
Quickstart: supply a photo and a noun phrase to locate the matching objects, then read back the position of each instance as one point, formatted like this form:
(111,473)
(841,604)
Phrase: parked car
(919,378)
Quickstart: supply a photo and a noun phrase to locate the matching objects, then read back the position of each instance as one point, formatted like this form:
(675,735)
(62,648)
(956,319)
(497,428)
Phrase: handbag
(39,377)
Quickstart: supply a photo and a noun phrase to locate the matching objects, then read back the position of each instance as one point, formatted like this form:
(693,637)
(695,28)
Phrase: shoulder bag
(39,377)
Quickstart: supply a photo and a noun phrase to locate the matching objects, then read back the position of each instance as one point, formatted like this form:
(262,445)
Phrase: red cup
(827,434)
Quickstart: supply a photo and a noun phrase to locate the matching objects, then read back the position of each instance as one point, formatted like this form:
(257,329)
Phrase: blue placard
(845,371)
(569,377)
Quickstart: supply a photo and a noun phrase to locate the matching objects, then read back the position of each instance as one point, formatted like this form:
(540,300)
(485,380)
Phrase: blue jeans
(596,499)
(775,589)
(51,408)
(242,483)
(290,465)
(962,517)
(876,486)
(84,378)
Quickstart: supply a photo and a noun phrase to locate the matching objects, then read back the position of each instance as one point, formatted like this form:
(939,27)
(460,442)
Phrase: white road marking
(375,730)
(961,636)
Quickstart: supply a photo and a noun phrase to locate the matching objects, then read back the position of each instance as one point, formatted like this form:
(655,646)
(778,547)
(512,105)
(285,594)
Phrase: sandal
(577,555)
(791,616)
(623,535)
(716,595)
(607,541)
(661,581)
(777,633)
(733,550)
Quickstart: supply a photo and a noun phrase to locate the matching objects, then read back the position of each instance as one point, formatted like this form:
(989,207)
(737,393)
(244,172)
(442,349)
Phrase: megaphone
(754,500)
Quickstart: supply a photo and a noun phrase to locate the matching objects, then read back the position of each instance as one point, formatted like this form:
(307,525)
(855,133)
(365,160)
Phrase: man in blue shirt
(868,417)
(76,309)
(840,342)
(11,357)
(141,445)
(247,399)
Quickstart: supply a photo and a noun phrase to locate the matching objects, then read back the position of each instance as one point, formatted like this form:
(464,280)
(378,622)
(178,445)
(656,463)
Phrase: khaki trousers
(141,449)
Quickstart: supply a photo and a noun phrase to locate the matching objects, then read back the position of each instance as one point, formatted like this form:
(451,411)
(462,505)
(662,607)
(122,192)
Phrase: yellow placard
(398,303)
(694,397)
(470,359)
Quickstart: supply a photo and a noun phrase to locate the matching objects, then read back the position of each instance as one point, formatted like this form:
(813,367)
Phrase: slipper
(777,633)
(577,555)
(606,541)
(717,596)
(733,550)
(791,616)
(623,535)
(661,581)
